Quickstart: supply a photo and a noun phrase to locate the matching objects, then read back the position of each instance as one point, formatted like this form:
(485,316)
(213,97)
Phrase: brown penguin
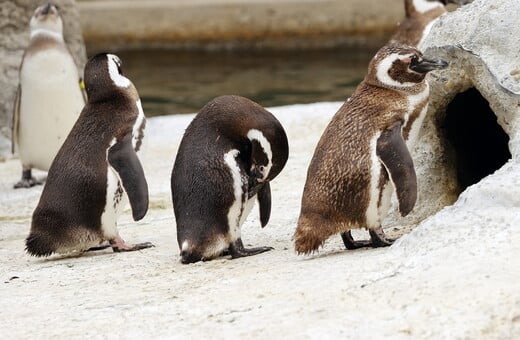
(95,170)
(420,17)
(363,153)
(228,155)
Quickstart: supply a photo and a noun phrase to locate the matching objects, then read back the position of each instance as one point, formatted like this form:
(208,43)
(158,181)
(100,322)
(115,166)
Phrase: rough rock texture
(14,36)
(480,40)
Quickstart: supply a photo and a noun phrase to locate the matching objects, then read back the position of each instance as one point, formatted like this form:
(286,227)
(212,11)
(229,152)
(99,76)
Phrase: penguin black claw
(350,244)
(378,238)
(236,249)
(27,181)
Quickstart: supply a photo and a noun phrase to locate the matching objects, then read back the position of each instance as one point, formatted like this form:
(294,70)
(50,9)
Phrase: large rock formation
(14,36)
(472,128)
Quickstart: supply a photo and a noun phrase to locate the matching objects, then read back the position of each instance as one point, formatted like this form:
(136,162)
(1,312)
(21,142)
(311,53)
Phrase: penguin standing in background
(363,155)
(95,170)
(49,98)
(420,17)
(229,154)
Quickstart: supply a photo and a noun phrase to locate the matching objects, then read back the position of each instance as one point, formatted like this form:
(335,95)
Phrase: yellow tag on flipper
(81,84)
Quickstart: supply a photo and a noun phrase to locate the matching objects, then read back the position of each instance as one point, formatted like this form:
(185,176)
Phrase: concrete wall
(113,24)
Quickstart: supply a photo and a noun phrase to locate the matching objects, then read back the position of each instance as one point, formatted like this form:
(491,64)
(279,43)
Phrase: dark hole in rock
(479,143)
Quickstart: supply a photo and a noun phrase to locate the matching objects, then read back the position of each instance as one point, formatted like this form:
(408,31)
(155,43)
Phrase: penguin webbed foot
(377,239)
(350,244)
(119,245)
(236,249)
(27,181)
(100,247)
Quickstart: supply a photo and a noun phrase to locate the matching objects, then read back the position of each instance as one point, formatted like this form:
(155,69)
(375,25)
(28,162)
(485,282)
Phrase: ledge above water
(210,24)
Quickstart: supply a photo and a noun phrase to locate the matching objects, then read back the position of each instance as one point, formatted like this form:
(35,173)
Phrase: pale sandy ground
(456,275)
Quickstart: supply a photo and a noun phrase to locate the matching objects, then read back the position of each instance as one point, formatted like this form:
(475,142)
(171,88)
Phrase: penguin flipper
(393,153)
(123,159)
(264,202)
(16,118)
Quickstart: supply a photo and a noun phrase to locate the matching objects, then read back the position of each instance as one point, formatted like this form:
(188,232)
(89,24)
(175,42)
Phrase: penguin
(420,17)
(227,157)
(96,170)
(49,96)
(363,153)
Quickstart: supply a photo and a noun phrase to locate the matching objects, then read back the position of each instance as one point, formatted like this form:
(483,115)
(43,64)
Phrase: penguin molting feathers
(363,149)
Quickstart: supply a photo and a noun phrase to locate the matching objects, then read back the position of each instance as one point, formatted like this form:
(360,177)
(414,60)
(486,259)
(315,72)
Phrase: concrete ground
(455,275)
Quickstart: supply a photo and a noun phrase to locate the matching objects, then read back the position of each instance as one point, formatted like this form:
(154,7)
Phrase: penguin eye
(262,168)
(414,60)
(118,63)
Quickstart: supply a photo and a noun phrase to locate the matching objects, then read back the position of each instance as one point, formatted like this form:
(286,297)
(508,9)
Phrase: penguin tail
(39,245)
(311,233)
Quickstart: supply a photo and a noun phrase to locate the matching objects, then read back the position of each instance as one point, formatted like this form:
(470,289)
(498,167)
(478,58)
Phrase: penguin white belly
(115,203)
(414,101)
(372,214)
(51,101)
(239,209)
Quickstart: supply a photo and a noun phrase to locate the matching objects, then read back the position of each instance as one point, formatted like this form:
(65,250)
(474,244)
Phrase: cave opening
(480,145)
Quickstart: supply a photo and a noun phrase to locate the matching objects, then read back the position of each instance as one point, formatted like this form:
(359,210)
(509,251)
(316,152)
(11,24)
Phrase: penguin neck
(46,33)
(394,85)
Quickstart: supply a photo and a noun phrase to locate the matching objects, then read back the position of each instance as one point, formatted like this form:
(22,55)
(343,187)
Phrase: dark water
(172,82)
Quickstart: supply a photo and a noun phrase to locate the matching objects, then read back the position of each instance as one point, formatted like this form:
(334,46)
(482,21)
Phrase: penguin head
(103,75)
(261,155)
(269,153)
(47,17)
(401,67)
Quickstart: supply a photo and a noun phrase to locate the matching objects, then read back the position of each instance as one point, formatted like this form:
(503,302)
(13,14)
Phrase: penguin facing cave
(479,143)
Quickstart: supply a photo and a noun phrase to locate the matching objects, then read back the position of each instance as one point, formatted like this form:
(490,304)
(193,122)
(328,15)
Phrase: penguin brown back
(229,154)
(95,169)
(363,152)
(420,17)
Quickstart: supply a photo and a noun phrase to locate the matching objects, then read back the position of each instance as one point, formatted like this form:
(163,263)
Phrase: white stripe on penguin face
(113,70)
(257,135)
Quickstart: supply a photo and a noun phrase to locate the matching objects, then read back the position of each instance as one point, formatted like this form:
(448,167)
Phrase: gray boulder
(472,127)
(14,36)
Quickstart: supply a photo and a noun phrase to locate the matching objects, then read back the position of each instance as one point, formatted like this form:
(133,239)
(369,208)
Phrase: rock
(480,41)
(14,37)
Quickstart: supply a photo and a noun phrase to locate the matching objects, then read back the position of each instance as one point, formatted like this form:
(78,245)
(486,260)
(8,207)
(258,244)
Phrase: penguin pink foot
(27,181)
(119,245)
(236,249)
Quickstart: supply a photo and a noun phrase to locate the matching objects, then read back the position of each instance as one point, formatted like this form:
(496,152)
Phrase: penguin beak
(259,173)
(47,8)
(426,65)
